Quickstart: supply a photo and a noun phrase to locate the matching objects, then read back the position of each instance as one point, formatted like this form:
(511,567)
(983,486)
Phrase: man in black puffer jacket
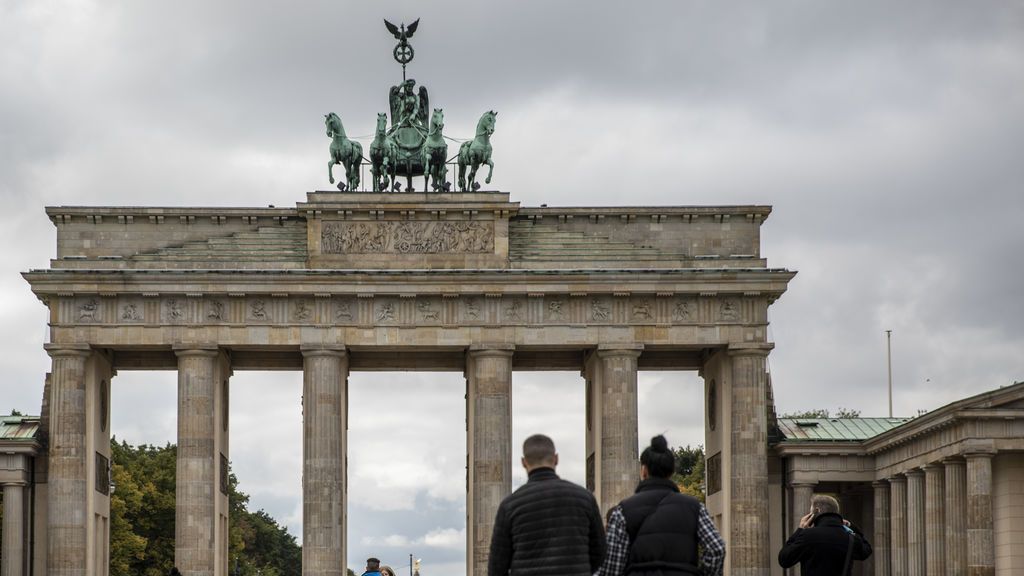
(548,526)
(824,544)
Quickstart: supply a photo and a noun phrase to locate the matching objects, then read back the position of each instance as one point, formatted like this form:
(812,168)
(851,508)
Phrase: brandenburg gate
(393,279)
(469,282)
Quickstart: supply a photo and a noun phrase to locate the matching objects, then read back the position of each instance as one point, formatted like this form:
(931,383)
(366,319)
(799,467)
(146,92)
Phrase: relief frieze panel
(414,310)
(407,237)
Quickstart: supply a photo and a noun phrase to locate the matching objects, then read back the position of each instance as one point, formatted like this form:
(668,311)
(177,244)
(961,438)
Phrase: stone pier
(956,516)
(916,554)
(883,525)
(935,518)
(898,516)
(13,559)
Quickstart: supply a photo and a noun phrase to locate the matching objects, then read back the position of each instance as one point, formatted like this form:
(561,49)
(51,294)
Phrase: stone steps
(270,244)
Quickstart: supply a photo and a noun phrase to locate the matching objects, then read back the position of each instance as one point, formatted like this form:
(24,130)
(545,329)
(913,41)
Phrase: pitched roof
(836,429)
(18,428)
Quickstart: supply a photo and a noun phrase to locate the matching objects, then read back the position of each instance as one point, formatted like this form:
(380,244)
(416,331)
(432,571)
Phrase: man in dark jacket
(548,526)
(823,541)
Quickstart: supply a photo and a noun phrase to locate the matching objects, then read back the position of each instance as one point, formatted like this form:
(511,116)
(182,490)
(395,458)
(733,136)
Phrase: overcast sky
(888,136)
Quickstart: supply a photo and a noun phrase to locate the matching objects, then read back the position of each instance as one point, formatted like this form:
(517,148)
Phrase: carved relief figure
(472,308)
(642,310)
(87,311)
(386,312)
(344,311)
(681,311)
(407,237)
(426,311)
(174,311)
(130,312)
(216,310)
(258,309)
(599,310)
(302,311)
(729,312)
(555,309)
(513,311)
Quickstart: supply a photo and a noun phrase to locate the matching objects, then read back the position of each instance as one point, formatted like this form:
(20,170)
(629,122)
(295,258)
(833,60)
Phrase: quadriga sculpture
(383,156)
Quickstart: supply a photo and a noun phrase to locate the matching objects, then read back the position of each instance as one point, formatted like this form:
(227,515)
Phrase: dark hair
(660,461)
(539,449)
(372,563)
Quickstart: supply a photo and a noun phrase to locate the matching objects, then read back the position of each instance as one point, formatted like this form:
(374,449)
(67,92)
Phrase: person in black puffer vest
(548,526)
(658,531)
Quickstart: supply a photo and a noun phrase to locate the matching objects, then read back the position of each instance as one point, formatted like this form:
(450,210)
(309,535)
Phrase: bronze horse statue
(435,154)
(383,156)
(477,152)
(348,153)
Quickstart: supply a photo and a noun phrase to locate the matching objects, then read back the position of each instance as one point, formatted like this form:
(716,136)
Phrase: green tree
(689,474)
(142,520)
(823,413)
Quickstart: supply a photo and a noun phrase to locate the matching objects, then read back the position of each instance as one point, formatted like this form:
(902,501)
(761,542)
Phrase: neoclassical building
(942,493)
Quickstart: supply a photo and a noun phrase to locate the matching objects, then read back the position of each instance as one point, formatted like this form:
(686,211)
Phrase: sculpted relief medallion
(407,237)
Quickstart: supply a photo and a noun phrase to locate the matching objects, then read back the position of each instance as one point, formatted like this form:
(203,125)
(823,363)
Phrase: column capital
(979,448)
(479,350)
(15,483)
(914,472)
(308,350)
(953,461)
(55,350)
(933,467)
(750,348)
(897,479)
(880,483)
(613,350)
(195,349)
(803,483)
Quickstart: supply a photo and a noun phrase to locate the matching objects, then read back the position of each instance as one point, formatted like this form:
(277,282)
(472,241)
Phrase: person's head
(539,452)
(824,504)
(386,570)
(372,565)
(657,460)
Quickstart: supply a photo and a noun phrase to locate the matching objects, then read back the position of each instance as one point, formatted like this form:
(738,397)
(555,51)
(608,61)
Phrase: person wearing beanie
(658,530)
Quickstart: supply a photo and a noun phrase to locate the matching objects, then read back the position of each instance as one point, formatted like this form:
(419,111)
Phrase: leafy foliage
(689,474)
(824,413)
(142,520)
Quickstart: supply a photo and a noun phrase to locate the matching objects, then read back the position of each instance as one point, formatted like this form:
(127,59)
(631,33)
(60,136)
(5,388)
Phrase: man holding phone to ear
(825,544)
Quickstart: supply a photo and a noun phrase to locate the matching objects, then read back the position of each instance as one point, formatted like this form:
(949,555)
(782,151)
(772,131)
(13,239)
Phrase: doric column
(13,548)
(802,494)
(916,557)
(489,439)
(883,525)
(898,515)
(324,376)
(934,518)
(620,470)
(748,553)
(956,516)
(980,543)
(195,514)
(66,511)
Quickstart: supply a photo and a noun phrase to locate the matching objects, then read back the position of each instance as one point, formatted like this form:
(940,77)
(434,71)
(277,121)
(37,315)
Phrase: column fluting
(196,475)
(980,541)
(620,471)
(883,526)
(916,555)
(13,550)
(324,374)
(67,489)
(898,515)
(935,518)
(956,516)
(489,396)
